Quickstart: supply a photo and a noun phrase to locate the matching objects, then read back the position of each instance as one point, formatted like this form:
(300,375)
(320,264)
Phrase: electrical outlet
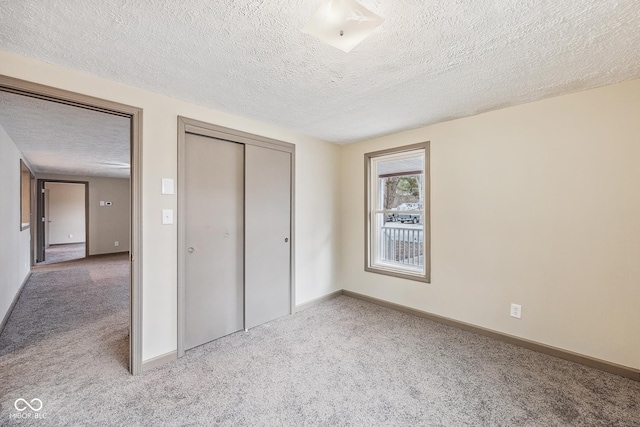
(516,311)
(71,236)
(116,243)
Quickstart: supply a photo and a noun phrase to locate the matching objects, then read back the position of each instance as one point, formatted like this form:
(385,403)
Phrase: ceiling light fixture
(343,23)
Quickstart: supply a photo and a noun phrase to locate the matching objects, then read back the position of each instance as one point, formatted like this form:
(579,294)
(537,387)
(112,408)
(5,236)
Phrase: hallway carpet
(60,253)
(343,362)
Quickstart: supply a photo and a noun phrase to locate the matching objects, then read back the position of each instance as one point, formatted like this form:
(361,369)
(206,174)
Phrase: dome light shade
(343,23)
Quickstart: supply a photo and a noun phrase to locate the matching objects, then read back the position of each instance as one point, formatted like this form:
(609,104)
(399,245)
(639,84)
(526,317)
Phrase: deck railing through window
(402,245)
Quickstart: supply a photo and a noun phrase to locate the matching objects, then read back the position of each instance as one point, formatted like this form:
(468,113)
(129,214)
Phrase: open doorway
(55,161)
(63,232)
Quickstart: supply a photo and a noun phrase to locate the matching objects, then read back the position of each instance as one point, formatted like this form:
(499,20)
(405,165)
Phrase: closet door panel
(267,235)
(214,209)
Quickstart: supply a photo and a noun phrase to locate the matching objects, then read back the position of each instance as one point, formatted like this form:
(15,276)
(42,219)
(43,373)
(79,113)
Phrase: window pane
(399,244)
(401,183)
(25,196)
(402,192)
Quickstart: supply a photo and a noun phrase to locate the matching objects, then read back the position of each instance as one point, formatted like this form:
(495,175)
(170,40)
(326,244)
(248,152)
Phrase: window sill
(394,272)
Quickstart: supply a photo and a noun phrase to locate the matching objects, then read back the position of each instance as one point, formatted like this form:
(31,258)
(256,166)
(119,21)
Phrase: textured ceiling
(430,61)
(60,139)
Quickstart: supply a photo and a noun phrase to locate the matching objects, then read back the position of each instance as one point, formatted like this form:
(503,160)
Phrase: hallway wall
(14,248)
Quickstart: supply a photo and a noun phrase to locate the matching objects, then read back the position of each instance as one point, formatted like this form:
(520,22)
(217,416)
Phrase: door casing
(185,126)
(41,239)
(49,93)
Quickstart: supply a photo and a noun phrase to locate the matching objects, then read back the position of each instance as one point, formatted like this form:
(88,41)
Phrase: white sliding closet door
(267,234)
(214,209)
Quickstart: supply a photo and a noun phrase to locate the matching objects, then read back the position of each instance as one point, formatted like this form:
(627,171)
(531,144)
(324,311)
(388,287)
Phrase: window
(25,196)
(397,212)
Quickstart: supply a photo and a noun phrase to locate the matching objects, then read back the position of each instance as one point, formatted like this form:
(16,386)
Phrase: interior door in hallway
(267,234)
(214,261)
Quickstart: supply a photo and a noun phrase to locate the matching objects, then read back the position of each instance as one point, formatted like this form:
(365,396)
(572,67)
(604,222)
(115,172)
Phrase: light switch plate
(167,216)
(516,311)
(167,186)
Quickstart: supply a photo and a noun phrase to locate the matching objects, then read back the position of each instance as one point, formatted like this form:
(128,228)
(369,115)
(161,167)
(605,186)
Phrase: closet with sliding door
(235,231)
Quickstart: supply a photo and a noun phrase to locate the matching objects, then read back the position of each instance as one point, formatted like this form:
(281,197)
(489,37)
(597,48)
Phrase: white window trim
(371,202)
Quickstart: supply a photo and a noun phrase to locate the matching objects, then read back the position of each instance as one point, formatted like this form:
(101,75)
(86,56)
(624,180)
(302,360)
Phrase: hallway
(66,311)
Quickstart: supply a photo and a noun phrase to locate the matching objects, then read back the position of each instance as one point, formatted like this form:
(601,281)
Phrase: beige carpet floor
(344,362)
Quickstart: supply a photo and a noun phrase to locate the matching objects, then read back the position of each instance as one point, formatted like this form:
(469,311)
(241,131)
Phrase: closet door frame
(196,127)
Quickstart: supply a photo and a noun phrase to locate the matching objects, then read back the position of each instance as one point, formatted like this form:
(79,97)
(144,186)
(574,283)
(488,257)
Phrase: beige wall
(66,213)
(318,183)
(317,224)
(537,204)
(107,224)
(14,247)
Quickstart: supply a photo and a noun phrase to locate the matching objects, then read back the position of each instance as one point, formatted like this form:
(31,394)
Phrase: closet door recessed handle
(286,240)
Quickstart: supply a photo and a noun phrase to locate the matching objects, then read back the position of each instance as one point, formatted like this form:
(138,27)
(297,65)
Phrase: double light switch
(167,188)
